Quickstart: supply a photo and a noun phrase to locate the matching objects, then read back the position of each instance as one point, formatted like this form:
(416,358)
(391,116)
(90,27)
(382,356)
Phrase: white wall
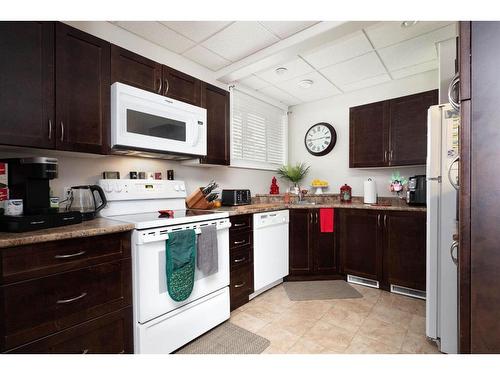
(334,167)
(77,169)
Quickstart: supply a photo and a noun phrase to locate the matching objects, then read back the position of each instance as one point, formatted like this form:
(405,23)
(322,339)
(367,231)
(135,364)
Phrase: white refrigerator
(442,258)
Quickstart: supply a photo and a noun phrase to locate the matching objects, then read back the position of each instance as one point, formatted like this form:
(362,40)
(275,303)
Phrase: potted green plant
(293,173)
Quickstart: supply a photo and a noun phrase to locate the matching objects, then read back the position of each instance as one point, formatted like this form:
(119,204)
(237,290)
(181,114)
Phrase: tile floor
(380,322)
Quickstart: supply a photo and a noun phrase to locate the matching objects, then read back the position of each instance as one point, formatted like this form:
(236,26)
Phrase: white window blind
(258,133)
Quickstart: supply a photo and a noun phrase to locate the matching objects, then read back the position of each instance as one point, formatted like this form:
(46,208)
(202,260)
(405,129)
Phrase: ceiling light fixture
(407,24)
(281,70)
(305,83)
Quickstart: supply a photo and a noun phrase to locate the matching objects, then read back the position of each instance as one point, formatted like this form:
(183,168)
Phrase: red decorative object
(345,194)
(275,189)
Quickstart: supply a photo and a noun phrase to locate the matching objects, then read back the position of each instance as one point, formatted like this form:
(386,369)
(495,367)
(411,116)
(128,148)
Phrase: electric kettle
(88,199)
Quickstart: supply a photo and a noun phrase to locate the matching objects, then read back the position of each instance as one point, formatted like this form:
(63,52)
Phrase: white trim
(257,95)
(239,163)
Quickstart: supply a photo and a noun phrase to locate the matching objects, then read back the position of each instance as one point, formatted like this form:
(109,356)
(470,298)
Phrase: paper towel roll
(370,191)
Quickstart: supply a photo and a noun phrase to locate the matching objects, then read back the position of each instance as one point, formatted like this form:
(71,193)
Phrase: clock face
(320,139)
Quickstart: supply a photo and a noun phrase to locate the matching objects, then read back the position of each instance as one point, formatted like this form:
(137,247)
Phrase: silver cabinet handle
(385,155)
(239,225)
(390,155)
(50,129)
(66,256)
(74,299)
(62,131)
(239,260)
(316,218)
(85,351)
(385,220)
(378,220)
(167,86)
(454,184)
(455,104)
(311,217)
(454,245)
(239,285)
(239,242)
(161,84)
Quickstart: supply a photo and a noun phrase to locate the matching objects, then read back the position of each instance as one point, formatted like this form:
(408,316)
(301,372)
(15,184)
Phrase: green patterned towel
(180,264)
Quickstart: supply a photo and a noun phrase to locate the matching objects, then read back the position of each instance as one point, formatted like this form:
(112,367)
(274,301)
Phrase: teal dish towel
(180,263)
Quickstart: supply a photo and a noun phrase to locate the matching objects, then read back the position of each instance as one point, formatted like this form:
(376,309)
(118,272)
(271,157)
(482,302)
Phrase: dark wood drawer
(240,257)
(239,240)
(109,334)
(36,308)
(43,259)
(241,285)
(241,223)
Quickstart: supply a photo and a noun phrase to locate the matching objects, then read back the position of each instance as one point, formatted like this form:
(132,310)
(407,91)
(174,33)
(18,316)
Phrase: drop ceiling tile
(284,29)
(354,70)
(373,81)
(384,34)
(415,51)
(239,40)
(340,50)
(254,82)
(196,30)
(415,69)
(294,68)
(207,58)
(159,34)
(320,89)
(280,95)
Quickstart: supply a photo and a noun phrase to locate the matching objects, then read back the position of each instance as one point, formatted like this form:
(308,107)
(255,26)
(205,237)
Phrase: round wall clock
(320,139)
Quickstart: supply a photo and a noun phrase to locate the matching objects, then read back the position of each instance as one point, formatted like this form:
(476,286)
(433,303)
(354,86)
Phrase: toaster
(236,197)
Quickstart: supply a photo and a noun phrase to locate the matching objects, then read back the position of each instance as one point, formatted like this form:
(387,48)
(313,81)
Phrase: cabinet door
(27,84)
(325,262)
(135,70)
(216,101)
(405,252)
(360,243)
(408,128)
(181,86)
(300,247)
(82,91)
(368,135)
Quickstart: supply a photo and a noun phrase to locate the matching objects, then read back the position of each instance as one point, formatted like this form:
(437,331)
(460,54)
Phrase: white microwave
(143,123)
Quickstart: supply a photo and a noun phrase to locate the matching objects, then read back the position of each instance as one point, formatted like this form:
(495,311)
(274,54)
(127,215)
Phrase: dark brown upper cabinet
(312,253)
(135,70)
(216,102)
(391,132)
(27,84)
(181,86)
(82,91)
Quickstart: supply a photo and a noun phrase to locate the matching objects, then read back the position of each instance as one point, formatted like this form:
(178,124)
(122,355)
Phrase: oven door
(151,298)
(147,121)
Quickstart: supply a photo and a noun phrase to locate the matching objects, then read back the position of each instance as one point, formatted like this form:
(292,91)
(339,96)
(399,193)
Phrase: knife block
(197,200)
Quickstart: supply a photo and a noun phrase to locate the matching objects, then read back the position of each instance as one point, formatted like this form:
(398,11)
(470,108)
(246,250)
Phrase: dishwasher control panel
(265,219)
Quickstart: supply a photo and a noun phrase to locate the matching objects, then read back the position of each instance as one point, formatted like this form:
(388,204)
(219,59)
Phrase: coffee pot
(88,199)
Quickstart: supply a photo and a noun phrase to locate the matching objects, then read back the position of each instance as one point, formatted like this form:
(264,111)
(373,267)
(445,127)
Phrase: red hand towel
(326,220)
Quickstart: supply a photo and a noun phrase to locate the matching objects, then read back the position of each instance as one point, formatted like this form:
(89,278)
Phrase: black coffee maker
(29,180)
(417,190)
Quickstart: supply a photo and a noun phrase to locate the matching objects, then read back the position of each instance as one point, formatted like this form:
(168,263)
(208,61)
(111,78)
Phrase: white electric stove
(162,325)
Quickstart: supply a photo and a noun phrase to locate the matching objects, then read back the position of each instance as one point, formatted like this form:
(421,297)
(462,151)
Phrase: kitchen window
(259,130)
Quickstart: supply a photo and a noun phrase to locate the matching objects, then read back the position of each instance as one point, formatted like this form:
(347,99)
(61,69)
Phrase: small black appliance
(417,191)
(236,197)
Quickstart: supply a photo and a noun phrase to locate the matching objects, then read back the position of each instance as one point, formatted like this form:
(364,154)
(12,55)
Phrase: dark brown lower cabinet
(312,254)
(69,296)
(361,243)
(241,259)
(386,246)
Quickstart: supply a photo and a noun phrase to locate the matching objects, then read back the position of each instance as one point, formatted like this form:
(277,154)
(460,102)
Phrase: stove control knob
(176,187)
(118,188)
(183,188)
(107,188)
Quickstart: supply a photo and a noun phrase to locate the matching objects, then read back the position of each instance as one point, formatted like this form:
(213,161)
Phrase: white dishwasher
(270,252)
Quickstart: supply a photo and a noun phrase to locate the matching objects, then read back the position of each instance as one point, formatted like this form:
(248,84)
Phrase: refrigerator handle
(454,245)
(454,184)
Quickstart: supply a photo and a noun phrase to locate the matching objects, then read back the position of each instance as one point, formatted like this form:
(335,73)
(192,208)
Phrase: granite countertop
(89,228)
(266,203)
